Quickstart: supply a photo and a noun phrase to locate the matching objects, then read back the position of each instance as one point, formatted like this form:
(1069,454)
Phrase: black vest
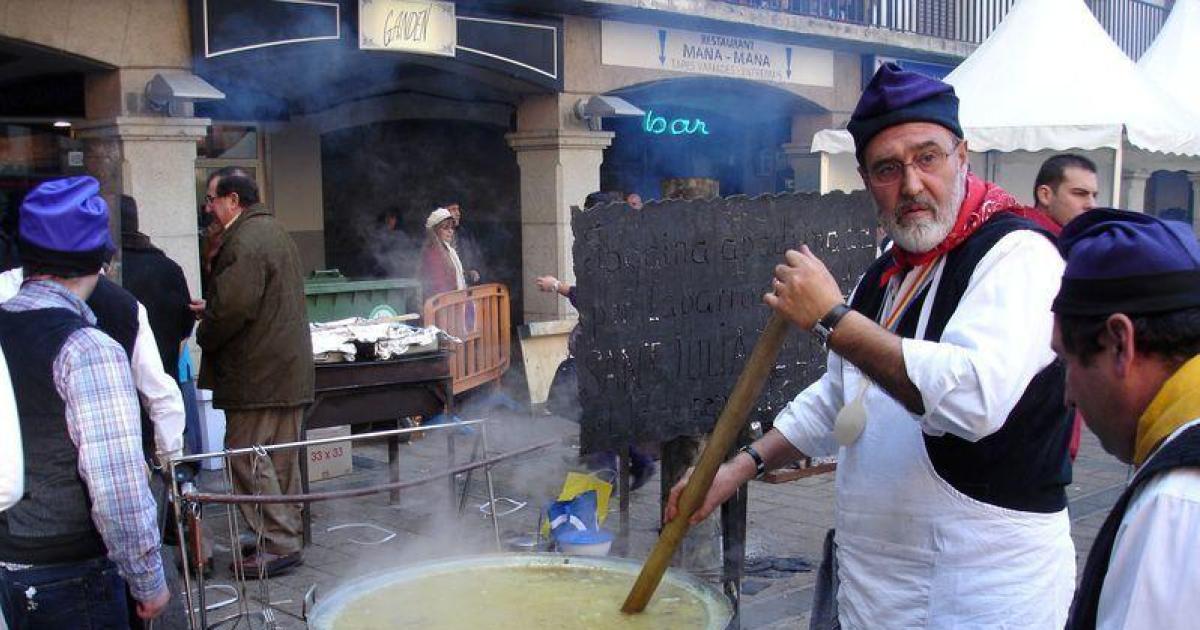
(116,313)
(1183,451)
(52,523)
(1025,465)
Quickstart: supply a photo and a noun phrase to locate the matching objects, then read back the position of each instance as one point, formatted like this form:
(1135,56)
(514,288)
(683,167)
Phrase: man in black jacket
(158,283)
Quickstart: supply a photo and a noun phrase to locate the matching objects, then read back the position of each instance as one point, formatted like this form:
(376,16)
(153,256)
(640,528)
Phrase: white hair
(924,235)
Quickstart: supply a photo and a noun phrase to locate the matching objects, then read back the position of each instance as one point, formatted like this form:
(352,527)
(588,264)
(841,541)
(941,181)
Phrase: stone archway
(751,137)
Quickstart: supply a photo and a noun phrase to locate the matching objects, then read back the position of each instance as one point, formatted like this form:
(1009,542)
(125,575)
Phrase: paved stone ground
(786,520)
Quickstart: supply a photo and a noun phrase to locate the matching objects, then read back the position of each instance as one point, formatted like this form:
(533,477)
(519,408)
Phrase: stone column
(1134,185)
(1194,179)
(153,160)
(559,167)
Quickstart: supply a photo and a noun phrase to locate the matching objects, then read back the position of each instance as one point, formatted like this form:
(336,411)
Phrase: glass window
(35,149)
(228,144)
(225,142)
(30,153)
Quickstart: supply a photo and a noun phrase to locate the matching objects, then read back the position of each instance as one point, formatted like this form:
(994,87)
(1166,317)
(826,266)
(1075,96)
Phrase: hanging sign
(427,28)
(714,54)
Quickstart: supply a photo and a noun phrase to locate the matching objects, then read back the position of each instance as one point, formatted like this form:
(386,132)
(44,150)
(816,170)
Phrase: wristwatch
(760,466)
(823,328)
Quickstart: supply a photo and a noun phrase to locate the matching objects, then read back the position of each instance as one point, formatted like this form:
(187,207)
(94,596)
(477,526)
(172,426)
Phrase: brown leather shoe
(248,542)
(272,564)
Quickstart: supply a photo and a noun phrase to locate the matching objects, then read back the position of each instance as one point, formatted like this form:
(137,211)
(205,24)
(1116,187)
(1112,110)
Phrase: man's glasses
(927,161)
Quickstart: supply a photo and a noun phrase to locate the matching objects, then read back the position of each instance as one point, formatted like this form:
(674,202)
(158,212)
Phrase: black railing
(946,19)
(1133,24)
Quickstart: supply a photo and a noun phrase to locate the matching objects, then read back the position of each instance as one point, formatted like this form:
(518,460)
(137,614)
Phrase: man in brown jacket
(257,359)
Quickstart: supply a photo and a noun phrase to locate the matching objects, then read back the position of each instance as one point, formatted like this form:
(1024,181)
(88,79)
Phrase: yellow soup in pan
(520,598)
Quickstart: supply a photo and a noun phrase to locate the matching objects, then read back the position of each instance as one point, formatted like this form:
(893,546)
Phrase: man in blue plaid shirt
(86,526)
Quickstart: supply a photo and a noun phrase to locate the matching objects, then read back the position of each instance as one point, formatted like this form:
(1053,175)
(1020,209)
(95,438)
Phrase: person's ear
(1043,195)
(1119,341)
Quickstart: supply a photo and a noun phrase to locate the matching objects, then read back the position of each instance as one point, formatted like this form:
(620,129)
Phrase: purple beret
(64,227)
(1127,262)
(896,96)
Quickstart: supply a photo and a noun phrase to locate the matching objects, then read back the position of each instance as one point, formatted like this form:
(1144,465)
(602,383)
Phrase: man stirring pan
(941,389)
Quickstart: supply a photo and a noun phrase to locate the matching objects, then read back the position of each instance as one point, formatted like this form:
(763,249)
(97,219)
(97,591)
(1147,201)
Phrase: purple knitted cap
(1127,262)
(64,227)
(896,96)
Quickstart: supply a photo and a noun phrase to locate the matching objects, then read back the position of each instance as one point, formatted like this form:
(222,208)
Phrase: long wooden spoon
(724,435)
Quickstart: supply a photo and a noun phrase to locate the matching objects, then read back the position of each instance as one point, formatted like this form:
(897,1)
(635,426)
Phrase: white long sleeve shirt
(913,551)
(158,392)
(1151,580)
(12,465)
(970,380)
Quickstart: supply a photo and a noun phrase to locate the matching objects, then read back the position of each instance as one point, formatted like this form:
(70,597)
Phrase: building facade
(347,111)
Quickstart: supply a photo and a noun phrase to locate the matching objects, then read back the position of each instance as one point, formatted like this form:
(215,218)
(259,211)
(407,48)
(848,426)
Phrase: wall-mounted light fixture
(168,91)
(594,109)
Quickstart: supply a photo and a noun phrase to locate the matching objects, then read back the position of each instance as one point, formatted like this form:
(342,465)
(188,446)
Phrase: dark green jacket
(257,348)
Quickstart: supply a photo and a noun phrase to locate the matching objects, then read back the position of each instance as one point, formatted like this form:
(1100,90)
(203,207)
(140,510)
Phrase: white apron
(913,552)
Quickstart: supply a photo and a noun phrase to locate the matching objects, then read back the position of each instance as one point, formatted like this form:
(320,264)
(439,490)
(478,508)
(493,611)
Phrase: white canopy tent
(1049,79)
(1171,60)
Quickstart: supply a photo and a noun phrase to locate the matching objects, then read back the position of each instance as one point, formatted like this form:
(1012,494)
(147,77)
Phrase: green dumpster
(330,296)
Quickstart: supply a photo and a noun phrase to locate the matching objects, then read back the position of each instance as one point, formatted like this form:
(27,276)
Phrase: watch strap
(760,466)
(834,316)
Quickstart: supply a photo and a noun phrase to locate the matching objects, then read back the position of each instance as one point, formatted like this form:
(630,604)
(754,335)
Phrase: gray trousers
(280,525)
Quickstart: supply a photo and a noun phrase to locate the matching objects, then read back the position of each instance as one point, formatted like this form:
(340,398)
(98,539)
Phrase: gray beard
(923,236)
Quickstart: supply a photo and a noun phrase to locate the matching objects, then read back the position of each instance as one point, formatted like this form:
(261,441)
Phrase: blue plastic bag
(575,515)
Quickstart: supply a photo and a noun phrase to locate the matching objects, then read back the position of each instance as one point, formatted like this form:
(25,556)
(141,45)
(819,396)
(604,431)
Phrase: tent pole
(1117,166)
(823,178)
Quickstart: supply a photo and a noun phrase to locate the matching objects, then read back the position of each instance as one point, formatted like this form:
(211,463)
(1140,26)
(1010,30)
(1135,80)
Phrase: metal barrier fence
(479,317)
(1133,24)
(186,502)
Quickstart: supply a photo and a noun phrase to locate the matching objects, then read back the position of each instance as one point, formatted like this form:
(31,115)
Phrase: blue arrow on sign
(662,46)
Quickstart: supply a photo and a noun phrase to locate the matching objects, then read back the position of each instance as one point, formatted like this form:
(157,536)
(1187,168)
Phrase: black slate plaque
(670,305)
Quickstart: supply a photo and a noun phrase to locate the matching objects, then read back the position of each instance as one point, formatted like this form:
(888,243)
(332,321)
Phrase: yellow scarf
(1176,404)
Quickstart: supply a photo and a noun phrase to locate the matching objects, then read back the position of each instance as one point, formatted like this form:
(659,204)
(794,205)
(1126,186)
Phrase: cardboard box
(333,459)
